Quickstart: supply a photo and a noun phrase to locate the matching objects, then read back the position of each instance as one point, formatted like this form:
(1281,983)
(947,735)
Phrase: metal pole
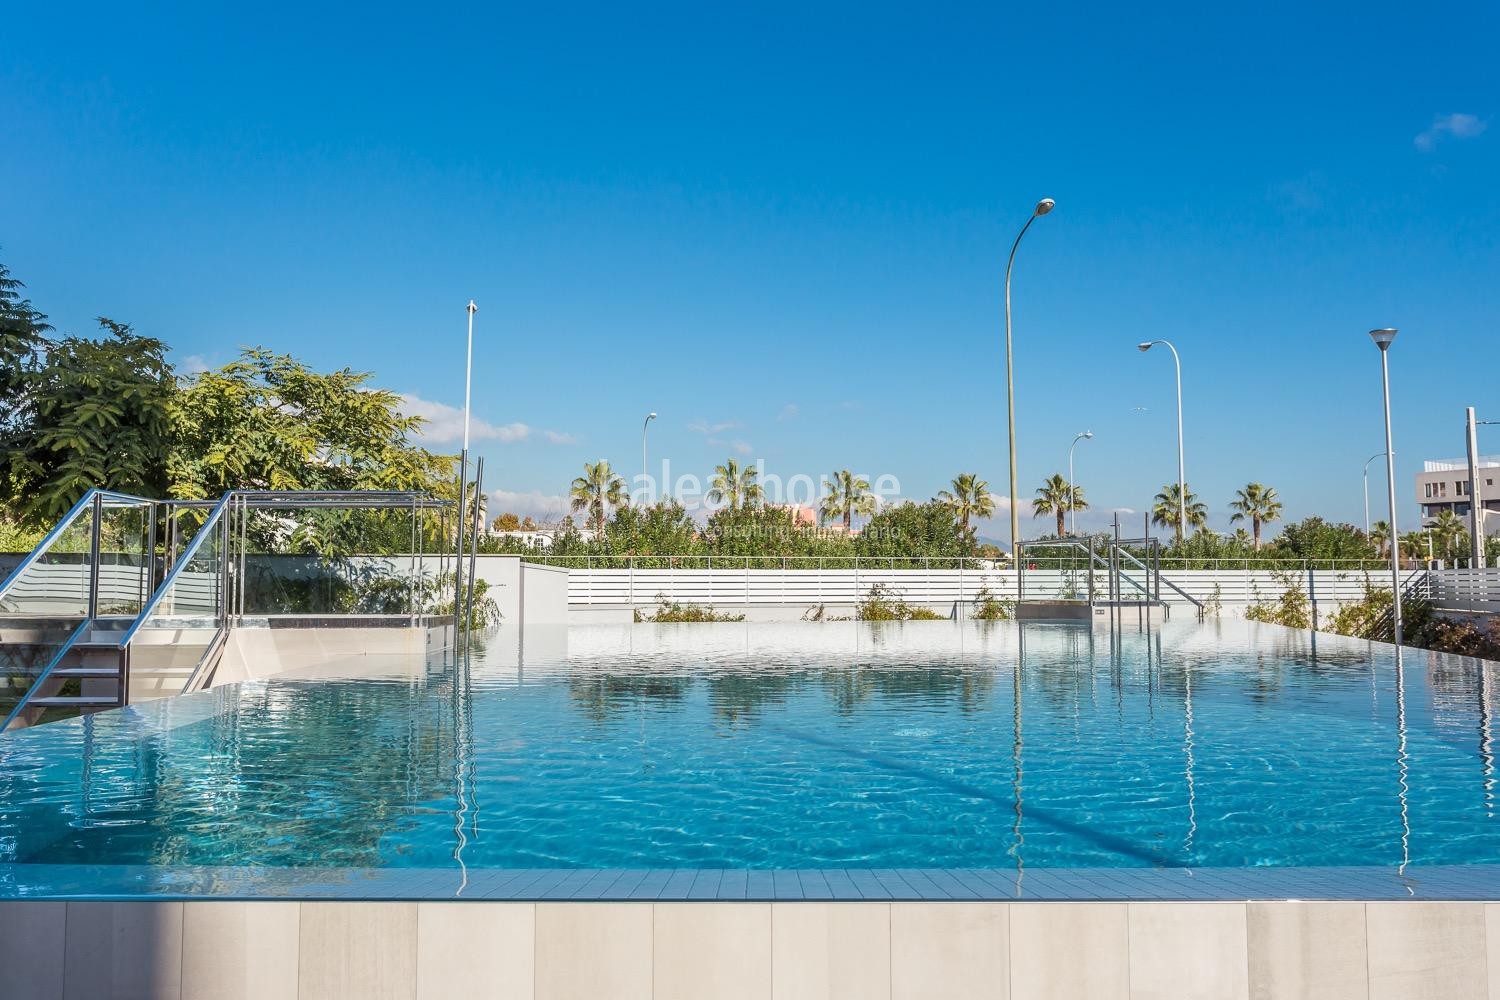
(1042,208)
(95,530)
(1390,484)
(1378,454)
(1476,498)
(1181,473)
(645,465)
(458,555)
(473,547)
(1072,489)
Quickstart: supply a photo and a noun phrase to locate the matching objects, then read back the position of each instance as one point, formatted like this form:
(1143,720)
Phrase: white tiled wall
(728,951)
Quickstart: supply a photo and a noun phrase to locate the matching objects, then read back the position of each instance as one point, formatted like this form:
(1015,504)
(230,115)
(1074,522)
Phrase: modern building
(1444,485)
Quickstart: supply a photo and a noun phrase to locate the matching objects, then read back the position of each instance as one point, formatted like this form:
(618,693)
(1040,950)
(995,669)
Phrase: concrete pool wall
(329,950)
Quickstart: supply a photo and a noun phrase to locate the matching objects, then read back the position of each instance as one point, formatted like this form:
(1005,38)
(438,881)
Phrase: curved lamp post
(645,467)
(1383,338)
(1181,475)
(1073,514)
(1378,454)
(1042,208)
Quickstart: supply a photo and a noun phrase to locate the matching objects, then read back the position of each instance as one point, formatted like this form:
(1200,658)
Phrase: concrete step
(75,701)
(87,672)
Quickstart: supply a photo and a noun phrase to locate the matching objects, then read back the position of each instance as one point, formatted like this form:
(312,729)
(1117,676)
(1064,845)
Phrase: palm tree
(1450,534)
(1258,503)
(1380,535)
(735,485)
(1165,510)
(1056,496)
(597,490)
(969,498)
(848,495)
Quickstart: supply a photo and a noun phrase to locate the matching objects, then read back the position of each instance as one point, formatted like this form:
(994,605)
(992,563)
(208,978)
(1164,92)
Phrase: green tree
(595,492)
(23,340)
(848,495)
(1166,512)
(1257,503)
(969,498)
(98,414)
(914,529)
(735,486)
(1314,538)
(1380,537)
(1055,496)
(1450,536)
(663,528)
(267,421)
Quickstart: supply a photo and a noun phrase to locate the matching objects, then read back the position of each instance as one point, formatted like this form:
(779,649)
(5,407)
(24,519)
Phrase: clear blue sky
(727,216)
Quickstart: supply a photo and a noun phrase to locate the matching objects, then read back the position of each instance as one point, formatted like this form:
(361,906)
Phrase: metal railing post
(95,530)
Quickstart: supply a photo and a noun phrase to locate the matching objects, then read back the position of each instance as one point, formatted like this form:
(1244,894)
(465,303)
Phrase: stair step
(74,701)
(86,672)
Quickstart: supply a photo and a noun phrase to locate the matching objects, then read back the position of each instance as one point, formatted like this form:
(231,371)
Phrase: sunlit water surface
(983,745)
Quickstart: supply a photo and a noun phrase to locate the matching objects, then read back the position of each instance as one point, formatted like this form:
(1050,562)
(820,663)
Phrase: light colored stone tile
(593,951)
(950,951)
(1492,940)
(1307,951)
(1427,950)
(718,950)
(1062,951)
(31,949)
(240,951)
(479,951)
(828,951)
(123,951)
(357,951)
(1188,951)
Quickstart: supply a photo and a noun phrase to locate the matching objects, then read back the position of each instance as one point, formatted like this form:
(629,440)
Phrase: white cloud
(444,424)
(701,426)
(739,447)
(193,364)
(1457,125)
(541,507)
(787,412)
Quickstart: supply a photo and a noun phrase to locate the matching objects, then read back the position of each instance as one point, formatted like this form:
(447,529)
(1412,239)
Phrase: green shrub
(989,608)
(881,604)
(673,611)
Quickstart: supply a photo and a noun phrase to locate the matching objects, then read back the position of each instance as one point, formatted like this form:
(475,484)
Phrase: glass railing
(184,619)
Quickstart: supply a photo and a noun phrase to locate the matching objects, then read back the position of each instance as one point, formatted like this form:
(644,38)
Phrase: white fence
(1465,589)
(747,586)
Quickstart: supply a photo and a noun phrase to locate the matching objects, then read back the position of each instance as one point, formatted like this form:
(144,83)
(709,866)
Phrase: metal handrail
(84,503)
(177,570)
(46,672)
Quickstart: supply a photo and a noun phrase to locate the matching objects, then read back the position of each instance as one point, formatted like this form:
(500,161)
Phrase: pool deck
(123,883)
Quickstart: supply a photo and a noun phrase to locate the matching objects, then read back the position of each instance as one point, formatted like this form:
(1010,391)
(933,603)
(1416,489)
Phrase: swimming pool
(774,747)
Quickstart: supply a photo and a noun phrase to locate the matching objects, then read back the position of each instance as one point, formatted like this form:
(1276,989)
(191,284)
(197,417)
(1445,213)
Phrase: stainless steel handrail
(177,570)
(46,672)
(84,503)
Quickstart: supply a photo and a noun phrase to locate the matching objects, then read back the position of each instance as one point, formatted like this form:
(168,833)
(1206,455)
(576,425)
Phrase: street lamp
(645,467)
(1383,338)
(1181,475)
(1378,454)
(1042,208)
(1072,490)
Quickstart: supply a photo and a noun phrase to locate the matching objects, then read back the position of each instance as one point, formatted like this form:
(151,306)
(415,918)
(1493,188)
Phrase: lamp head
(651,416)
(1383,337)
(1045,205)
(1144,347)
(472,307)
(1088,435)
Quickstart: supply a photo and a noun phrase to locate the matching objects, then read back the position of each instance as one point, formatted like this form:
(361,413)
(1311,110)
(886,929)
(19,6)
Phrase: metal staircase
(109,610)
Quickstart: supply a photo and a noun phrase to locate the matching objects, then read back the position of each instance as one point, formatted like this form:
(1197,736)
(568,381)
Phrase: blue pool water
(792,746)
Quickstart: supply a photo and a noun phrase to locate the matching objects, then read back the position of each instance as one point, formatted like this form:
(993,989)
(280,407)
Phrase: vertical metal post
(1390,484)
(474,549)
(149,576)
(1091,571)
(411,597)
(463,510)
(1476,497)
(95,529)
(1114,564)
(244,548)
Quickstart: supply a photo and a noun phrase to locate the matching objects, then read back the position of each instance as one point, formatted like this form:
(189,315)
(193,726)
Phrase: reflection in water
(1402,762)
(1486,746)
